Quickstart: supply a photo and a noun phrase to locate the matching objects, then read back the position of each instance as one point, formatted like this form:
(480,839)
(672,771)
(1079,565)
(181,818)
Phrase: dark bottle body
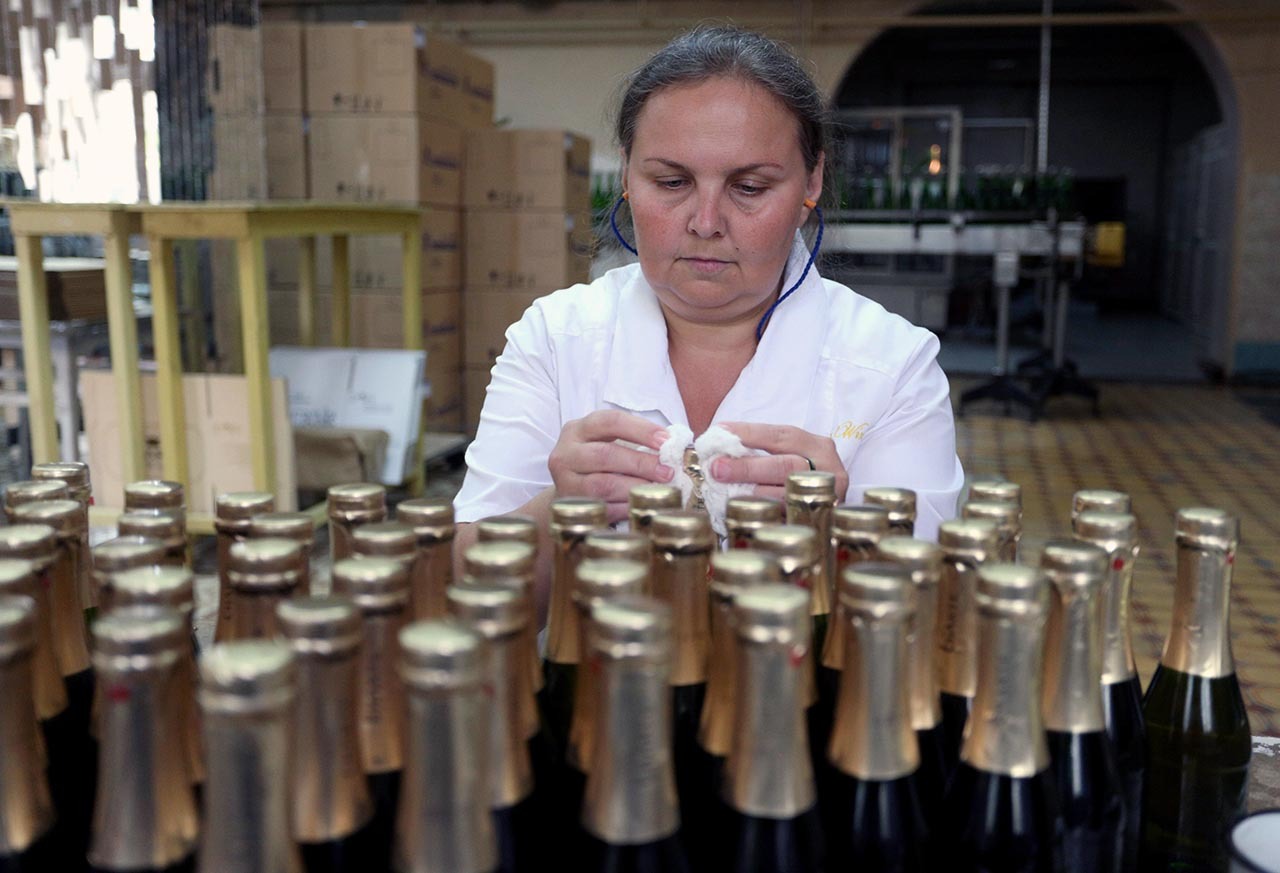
(555,702)
(354,853)
(1122,704)
(878,825)
(955,712)
(1090,800)
(694,782)
(41,856)
(933,775)
(384,791)
(1001,823)
(769,845)
(73,772)
(1198,747)
(187,865)
(664,856)
(518,831)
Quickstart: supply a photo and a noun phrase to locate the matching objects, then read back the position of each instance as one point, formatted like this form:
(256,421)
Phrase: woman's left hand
(790,451)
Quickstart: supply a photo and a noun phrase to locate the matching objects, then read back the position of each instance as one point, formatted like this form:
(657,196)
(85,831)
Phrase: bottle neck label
(1073,661)
(1005,732)
(872,738)
(1200,638)
(956,628)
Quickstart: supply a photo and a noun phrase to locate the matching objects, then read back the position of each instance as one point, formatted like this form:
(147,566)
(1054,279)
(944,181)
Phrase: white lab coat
(831,362)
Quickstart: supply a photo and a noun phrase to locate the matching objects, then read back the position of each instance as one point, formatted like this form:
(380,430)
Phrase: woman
(722,148)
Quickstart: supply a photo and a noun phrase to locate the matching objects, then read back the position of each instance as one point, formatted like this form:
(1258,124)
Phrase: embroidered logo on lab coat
(848,430)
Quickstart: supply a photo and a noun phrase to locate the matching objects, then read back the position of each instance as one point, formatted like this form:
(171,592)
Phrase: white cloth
(715,442)
(831,362)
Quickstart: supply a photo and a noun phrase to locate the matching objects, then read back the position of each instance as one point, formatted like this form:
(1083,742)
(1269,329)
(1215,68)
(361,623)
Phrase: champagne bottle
(262,573)
(743,516)
(646,501)
(71,752)
(856,531)
(773,824)
(76,476)
(901,503)
(499,616)
(246,693)
(1116,534)
(297,526)
(1090,795)
(1198,738)
(119,554)
(31,491)
(67,519)
(600,580)
(995,490)
(330,806)
(20,577)
(923,560)
(682,544)
(794,548)
(1099,500)
(154,496)
(630,816)
(511,563)
(380,589)
(572,518)
(233,514)
(26,810)
(877,817)
(1008,520)
(1000,810)
(431,520)
(145,811)
(445,825)
(171,588)
(617,545)
(966,545)
(811,499)
(351,506)
(160,525)
(508,528)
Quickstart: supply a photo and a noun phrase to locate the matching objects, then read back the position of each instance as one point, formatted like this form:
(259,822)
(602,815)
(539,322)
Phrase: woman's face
(717,183)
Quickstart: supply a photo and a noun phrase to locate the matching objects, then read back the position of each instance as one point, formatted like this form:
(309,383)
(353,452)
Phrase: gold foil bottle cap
(773,614)
(735,571)
(654,496)
(917,556)
(682,530)
(1073,564)
(129,632)
(234,510)
(375,584)
(877,590)
(1100,500)
(321,626)
(297,526)
(765,510)
(1012,590)
(499,558)
(267,564)
(616,544)
(901,502)
(1007,516)
(386,539)
(507,528)
(975,538)
(66,517)
(602,579)
(816,482)
(247,677)
(157,524)
(37,543)
(859,522)
(17,625)
(173,587)
(74,473)
(995,491)
(357,497)
(1205,528)
(440,655)
(631,626)
(126,552)
(794,541)
(1116,529)
(32,490)
(493,611)
(154,494)
(430,517)
(577,516)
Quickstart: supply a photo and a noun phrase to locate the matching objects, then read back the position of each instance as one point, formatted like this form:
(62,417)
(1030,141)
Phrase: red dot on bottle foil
(797,655)
(1231,558)
(1117,564)
(118,694)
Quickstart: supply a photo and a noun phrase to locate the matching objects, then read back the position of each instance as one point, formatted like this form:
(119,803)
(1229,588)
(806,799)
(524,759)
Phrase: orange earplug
(626,195)
(809,202)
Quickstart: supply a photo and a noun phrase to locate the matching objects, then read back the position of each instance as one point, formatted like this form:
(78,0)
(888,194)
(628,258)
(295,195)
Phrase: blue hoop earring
(613,222)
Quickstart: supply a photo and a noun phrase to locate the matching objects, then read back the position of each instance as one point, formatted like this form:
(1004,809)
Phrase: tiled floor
(1169,446)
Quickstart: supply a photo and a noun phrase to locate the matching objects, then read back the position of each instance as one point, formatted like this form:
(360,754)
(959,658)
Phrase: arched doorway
(1145,117)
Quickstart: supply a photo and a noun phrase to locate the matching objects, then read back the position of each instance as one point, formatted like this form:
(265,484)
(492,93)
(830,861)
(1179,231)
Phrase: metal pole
(1042,125)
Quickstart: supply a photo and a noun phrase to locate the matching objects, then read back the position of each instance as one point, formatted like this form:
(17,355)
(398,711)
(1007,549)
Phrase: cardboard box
(381,68)
(283,69)
(285,146)
(521,250)
(487,315)
(376,323)
(475,382)
(233,75)
(375,261)
(385,159)
(477,92)
(239,163)
(445,403)
(527,169)
(217,437)
(285,328)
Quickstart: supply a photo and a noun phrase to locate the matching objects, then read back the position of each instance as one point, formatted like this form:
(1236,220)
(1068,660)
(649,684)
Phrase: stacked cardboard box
(527,231)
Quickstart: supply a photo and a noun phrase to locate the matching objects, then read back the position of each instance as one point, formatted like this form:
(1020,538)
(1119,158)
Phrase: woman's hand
(587,461)
(790,451)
